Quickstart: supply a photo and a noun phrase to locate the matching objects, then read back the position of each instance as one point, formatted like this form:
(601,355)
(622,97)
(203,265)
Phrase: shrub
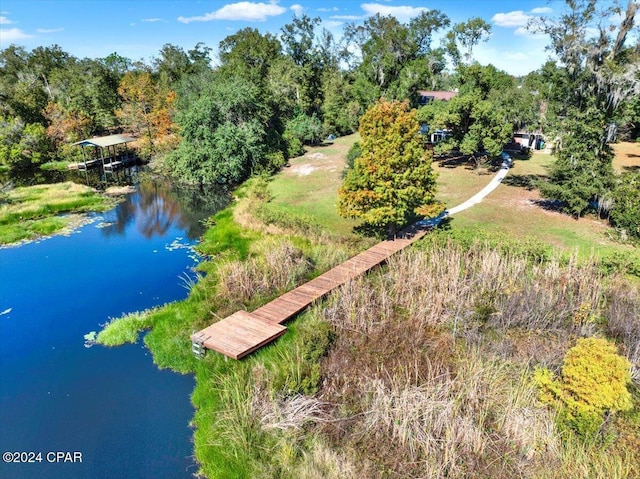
(294,147)
(272,163)
(593,381)
(354,152)
(625,214)
(621,262)
(307,129)
(298,369)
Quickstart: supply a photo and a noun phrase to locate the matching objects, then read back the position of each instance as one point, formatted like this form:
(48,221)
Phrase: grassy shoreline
(296,408)
(31,212)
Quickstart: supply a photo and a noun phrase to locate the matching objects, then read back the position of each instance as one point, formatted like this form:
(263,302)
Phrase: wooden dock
(242,333)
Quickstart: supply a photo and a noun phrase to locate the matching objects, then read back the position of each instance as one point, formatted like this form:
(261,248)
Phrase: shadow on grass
(382,233)
(521,155)
(322,144)
(453,161)
(529,182)
(553,205)
(445,223)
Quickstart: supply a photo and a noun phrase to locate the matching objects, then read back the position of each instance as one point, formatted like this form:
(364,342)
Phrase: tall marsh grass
(456,287)
(431,368)
(457,425)
(279,266)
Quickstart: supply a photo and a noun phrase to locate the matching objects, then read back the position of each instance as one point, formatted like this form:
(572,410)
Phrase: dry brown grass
(627,156)
(430,372)
(465,289)
(454,426)
(623,314)
(280,266)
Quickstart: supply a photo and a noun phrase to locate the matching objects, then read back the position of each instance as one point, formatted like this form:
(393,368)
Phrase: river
(110,408)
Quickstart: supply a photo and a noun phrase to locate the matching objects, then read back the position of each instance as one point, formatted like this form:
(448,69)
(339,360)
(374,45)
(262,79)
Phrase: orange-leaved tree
(146,112)
(392,180)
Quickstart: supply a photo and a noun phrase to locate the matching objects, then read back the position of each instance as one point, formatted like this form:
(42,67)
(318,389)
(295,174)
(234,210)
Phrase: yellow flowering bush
(593,381)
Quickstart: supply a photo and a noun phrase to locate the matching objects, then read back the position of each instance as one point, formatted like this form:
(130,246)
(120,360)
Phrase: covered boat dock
(110,152)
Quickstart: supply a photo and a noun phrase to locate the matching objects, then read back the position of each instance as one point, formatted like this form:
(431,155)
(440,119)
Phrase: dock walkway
(242,333)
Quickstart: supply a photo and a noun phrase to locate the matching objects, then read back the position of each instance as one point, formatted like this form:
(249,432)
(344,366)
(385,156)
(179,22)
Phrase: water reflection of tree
(31,176)
(125,214)
(159,205)
(158,211)
(199,203)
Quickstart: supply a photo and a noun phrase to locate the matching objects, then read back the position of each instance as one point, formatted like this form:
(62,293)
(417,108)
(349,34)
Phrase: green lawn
(512,209)
(308,187)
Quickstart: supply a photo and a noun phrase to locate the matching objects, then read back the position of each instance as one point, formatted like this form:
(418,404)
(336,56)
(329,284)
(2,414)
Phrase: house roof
(105,141)
(438,95)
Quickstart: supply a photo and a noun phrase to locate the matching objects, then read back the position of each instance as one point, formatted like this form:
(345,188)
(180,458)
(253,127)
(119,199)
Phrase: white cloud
(153,20)
(516,18)
(12,34)
(514,62)
(617,18)
(5,21)
(332,23)
(245,11)
(592,32)
(346,17)
(297,9)
(334,9)
(401,12)
(541,10)
(49,30)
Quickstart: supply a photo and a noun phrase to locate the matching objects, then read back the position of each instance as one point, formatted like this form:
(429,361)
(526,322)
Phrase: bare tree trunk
(625,27)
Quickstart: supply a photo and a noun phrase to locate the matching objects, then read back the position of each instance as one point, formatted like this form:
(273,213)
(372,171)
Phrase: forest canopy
(270,94)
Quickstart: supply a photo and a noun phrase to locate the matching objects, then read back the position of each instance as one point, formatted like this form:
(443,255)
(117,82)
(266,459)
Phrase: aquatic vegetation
(30,212)
(125,329)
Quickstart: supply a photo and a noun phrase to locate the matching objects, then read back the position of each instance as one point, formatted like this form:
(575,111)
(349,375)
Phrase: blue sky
(138,28)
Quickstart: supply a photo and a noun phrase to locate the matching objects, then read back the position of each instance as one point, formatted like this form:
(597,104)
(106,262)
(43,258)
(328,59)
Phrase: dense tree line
(269,95)
(589,89)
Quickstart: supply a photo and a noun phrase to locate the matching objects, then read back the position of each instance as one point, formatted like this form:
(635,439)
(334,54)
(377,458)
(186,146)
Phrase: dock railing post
(197,348)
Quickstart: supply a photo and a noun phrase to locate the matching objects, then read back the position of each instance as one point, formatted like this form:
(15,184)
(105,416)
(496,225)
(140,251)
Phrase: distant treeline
(268,95)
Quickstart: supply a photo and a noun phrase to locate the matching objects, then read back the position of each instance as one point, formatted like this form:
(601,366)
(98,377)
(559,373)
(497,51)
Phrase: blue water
(112,405)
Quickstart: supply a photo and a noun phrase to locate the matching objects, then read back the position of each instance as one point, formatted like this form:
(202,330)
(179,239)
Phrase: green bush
(354,152)
(625,213)
(593,382)
(294,147)
(272,163)
(301,371)
(619,262)
(307,129)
